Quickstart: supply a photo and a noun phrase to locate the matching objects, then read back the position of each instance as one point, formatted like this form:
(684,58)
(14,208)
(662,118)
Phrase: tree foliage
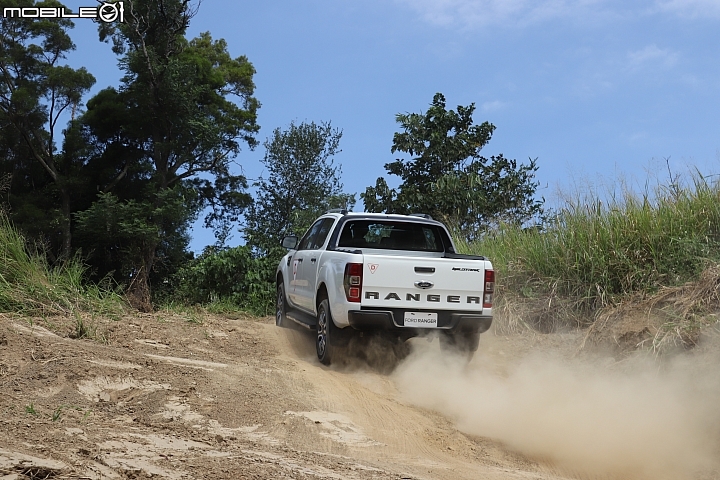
(177,121)
(36,89)
(302,183)
(447,177)
(115,234)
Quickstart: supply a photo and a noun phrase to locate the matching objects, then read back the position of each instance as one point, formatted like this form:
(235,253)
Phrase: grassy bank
(30,286)
(594,253)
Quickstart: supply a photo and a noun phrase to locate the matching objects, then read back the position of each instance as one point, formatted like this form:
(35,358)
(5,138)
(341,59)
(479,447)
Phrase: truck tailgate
(432,283)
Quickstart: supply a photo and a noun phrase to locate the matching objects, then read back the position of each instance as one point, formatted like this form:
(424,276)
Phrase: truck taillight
(353,282)
(489,288)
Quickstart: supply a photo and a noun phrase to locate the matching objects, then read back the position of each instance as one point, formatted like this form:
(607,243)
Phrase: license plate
(421,319)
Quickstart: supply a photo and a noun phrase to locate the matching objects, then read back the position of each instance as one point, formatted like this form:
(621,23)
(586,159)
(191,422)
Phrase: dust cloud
(633,419)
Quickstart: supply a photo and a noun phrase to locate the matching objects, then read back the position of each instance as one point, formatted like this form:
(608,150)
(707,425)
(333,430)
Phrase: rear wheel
(401,349)
(381,351)
(280,307)
(461,343)
(329,336)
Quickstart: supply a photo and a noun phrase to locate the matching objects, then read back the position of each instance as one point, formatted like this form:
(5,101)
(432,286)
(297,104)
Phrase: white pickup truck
(398,274)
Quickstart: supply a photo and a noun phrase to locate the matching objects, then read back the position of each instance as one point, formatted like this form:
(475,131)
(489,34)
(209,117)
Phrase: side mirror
(290,242)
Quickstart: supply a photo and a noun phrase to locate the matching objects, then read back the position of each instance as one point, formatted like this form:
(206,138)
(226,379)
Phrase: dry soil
(171,396)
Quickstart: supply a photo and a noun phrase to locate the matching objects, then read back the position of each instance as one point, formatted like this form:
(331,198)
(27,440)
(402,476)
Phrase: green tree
(36,89)
(302,183)
(447,177)
(178,120)
(116,234)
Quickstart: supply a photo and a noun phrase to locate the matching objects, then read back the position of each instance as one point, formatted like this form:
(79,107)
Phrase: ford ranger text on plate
(397,274)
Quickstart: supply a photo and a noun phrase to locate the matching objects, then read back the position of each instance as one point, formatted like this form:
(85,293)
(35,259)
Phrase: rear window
(393,235)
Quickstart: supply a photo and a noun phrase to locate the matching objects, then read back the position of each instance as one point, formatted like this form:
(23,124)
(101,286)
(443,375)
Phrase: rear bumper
(392,319)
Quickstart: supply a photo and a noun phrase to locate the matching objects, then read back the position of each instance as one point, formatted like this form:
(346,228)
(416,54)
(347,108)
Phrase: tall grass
(28,285)
(596,252)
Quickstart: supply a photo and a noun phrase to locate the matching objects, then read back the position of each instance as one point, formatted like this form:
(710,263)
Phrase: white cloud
(690,8)
(651,56)
(493,106)
(691,80)
(637,137)
(482,13)
(479,13)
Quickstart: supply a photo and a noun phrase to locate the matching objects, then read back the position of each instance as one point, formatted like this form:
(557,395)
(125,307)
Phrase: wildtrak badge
(463,269)
(107,12)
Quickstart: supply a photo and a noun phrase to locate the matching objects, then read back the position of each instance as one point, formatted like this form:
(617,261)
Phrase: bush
(229,275)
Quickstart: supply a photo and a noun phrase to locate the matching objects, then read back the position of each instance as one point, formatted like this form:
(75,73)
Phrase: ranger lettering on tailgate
(415,297)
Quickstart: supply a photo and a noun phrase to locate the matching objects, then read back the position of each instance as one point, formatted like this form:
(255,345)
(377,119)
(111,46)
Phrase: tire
(379,350)
(401,349)
(461,343)
(329,337)
(281,307)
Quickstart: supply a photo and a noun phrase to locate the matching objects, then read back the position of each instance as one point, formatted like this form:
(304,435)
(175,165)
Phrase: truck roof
(416,217)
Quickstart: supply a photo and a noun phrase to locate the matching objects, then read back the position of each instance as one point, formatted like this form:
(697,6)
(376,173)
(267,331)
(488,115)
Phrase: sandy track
(240,398)
(379,426)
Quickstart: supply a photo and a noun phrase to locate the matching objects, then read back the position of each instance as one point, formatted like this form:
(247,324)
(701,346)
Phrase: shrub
(229,275)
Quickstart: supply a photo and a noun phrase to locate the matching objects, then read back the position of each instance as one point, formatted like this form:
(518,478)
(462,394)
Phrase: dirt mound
(675,318)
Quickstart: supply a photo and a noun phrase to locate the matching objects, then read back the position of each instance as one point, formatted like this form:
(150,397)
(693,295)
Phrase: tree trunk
(138,294)
(66,249)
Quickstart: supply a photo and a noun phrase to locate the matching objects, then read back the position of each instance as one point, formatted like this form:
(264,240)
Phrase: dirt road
(218,397)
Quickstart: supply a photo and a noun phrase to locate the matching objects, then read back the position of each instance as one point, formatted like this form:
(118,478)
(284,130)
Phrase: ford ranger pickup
(397,274)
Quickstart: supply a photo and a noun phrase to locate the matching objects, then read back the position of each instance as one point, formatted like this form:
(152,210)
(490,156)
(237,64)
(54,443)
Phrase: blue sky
(596,90)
